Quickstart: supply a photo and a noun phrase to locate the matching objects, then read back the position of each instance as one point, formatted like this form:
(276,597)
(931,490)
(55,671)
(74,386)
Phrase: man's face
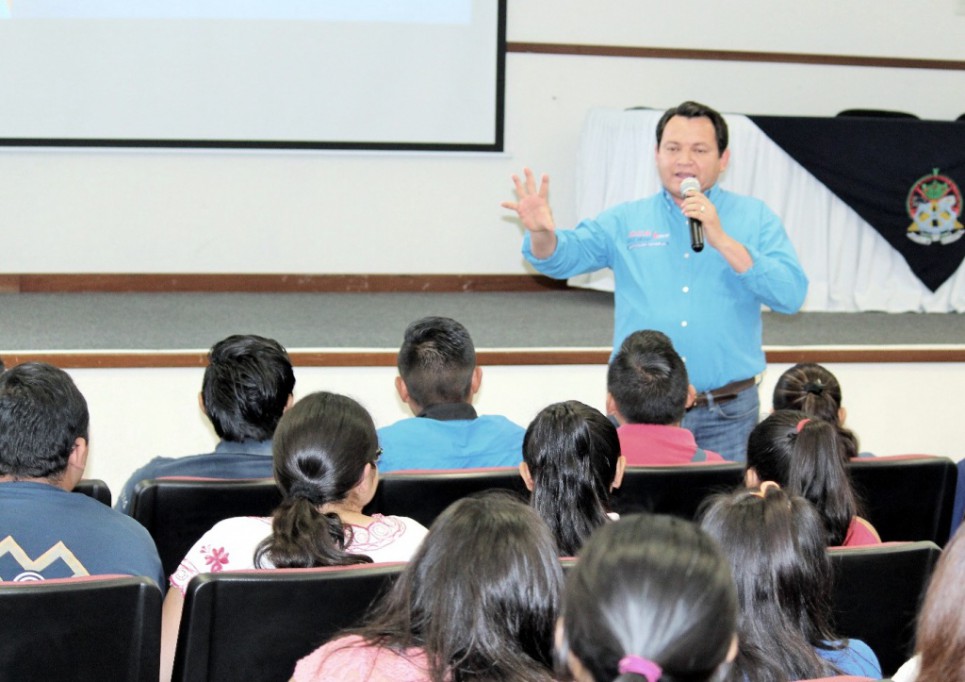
(689,149)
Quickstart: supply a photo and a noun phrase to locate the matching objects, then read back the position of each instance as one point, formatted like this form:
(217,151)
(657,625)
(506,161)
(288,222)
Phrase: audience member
(651,598)
(438,378)
(806,457)
(571,462)
(940,639)
(325,458)
(47,531)
(247,386)
(810,388)
(775,543)
(648,393)
(478,601)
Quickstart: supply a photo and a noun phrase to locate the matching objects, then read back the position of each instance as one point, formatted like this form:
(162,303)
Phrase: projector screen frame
(497,145)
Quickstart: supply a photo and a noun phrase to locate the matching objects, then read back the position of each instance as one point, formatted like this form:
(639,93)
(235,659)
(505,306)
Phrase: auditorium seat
(423,494)
(96,488)
(255,625)
(81,629)
(875,113)
(906,497)
(877,593)
(676,490)
(178,511)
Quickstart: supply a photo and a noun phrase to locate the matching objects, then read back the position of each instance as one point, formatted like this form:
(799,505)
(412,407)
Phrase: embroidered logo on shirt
(33,569)
(638,239)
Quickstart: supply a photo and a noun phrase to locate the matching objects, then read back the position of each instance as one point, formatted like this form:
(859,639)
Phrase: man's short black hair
(648,380)
(696,110)
(246,387)
(42,414)
(436,361)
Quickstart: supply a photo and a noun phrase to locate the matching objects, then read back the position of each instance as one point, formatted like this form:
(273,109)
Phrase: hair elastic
(640,666)
(800,424)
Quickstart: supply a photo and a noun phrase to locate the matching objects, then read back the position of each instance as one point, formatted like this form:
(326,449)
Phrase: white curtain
(850,266)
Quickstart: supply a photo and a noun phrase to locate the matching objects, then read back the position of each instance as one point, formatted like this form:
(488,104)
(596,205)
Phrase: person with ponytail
(812,389)
(477,603)
(650,598)
(775,544)
(806,457)
(325,453)
(571,462)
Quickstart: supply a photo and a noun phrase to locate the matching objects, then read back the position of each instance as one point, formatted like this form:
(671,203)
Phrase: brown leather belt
(726,393)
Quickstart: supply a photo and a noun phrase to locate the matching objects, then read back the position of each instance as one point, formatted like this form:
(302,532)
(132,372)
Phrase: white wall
(68,211)
(137,414)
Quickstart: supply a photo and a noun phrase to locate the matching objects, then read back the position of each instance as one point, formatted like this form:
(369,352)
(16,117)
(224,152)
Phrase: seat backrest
(877,594)
(675,490)
(255,625)
(906,497)
(96,488)
(94,628)
(422,495)
(178,511)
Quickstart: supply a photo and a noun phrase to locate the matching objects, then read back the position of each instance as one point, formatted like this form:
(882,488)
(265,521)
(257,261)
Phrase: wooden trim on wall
(507,357)
(734,56)
(274,283)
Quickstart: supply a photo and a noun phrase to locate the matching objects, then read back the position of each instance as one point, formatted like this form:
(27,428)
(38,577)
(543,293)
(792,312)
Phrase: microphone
(688,186)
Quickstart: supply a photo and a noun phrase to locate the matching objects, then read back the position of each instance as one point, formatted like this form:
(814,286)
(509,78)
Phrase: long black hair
(654,587)
(806,457)
(814,390)
(571,451)
(321,448)
(480,597)
(775,545)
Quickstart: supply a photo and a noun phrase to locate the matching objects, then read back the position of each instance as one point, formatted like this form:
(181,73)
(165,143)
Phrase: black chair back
(422,495)
(877,593)
(97,628)
(178,511)
(674,490)
(96,488)
(907,498)
(255,625)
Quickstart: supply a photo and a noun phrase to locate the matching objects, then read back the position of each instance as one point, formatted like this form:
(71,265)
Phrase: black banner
(903,176)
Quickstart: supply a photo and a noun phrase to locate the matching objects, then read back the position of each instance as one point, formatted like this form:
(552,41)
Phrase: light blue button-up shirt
(710,312)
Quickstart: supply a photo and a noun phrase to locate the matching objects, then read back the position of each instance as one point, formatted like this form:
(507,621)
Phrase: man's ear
(526,476)
(724,160)
(402,389)
(476,381)
(842,415)
(289,402)
(751,479)
(618,474)
(691,396)
(77,459)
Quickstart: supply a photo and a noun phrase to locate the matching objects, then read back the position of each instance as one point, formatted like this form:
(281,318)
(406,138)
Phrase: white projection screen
(315,74)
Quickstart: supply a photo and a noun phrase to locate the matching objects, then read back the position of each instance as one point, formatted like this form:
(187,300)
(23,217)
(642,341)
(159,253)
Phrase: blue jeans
(724,428)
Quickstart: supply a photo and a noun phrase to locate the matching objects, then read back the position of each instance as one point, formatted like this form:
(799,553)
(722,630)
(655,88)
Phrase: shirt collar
(248,447)
(446,412)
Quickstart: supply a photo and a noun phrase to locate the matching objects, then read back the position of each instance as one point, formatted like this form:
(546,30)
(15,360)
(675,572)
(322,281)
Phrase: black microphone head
(689,185)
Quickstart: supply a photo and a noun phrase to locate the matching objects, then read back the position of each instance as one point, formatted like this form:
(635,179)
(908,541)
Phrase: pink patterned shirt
(230,544)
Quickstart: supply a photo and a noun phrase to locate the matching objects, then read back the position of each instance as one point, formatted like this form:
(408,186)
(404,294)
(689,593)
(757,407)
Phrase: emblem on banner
(934,205)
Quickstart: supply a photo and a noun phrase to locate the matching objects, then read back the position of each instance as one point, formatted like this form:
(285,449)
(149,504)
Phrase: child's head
(649,593)
(571,460)
(775,544)
(806,457)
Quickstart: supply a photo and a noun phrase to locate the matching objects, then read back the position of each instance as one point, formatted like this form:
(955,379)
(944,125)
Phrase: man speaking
(707,300)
